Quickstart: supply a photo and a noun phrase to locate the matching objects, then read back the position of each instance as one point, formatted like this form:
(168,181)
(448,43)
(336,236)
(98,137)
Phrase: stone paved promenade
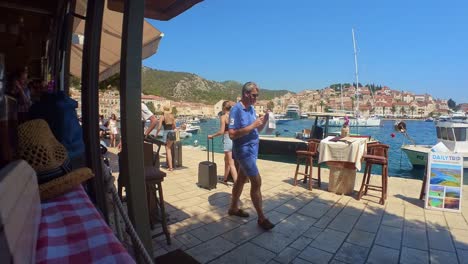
(311,226)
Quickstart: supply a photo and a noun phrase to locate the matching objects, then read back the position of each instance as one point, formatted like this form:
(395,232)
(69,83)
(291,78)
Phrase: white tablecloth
(349,151)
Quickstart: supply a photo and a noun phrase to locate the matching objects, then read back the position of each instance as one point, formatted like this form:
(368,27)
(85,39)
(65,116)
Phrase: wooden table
(343,157)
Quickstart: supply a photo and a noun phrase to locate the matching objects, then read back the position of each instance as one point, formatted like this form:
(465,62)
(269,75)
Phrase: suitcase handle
(208,149)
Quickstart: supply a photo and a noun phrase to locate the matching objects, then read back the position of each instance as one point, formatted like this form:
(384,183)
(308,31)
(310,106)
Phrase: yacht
(455,117)
(453,134)
(293,111)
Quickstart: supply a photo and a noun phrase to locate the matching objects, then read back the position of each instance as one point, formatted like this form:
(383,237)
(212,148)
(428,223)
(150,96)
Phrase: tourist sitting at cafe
(18,88)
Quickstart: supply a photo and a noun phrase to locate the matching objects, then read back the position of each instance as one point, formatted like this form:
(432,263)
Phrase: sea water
(423,133)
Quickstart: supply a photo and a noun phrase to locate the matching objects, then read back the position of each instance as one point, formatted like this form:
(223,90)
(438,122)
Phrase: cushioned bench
(65,229)
(72,231)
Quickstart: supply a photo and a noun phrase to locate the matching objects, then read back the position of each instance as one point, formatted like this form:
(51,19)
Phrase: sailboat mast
(356,73)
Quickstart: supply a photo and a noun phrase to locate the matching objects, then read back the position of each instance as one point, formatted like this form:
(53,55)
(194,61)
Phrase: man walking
(244,127)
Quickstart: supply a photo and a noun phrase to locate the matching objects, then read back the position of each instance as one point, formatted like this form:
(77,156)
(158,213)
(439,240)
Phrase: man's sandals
(265,224)
(239,213)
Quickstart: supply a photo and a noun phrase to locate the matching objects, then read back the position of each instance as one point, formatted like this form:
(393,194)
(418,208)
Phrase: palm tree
(402,110)
(383,108)
(393,110)
(322,103)
(412,108)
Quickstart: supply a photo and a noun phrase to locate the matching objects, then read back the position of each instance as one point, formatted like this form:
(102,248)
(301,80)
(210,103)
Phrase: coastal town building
(158,102)
(384,102)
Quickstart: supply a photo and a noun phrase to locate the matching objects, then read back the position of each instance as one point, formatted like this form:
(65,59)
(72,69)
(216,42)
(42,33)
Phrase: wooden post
(67,48)
(132,165)
(90,101)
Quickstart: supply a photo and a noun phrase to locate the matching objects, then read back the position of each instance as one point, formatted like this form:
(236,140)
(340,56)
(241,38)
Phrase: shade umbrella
(111,40)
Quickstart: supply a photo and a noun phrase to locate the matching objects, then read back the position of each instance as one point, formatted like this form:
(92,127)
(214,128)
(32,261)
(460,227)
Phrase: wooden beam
(20,7)
(90,101)
(67,49)
(130,118)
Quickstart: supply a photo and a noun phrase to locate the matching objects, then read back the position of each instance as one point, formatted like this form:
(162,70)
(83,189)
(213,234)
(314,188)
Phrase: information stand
(444,183)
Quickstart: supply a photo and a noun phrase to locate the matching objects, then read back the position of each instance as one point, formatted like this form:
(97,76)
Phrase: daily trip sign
(445,182)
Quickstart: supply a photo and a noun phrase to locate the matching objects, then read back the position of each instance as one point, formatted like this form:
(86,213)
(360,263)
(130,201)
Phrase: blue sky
(417,46)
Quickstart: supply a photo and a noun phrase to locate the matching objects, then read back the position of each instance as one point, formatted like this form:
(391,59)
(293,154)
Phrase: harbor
(424,133)
(311,226)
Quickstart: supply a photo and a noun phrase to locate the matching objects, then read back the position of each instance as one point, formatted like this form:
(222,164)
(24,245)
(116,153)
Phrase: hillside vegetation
(183,86)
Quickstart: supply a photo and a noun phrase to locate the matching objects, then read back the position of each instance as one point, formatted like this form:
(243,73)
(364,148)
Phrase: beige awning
(111,37)
(158,9)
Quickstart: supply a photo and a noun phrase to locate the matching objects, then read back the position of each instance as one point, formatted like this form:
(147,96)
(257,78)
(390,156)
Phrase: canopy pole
(67,48)
(130,116)
(90,101)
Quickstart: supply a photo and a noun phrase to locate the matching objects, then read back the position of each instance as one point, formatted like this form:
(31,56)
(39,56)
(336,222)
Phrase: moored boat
(417,154)
(293,111)
(272,145)
(372,121)
(288,145)
(453,135)
(189,128)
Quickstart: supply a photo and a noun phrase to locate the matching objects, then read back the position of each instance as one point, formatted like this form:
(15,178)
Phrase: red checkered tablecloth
(72,231)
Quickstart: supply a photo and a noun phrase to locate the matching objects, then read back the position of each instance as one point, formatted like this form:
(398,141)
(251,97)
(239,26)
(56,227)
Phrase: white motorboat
(194,120)
(189,128)
(372,121)
(454,136)
(184,134)
(417,154)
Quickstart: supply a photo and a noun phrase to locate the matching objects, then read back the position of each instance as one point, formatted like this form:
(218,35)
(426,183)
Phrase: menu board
(445,181)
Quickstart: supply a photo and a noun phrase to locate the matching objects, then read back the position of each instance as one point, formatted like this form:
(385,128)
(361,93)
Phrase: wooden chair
(308,156)
(377,154)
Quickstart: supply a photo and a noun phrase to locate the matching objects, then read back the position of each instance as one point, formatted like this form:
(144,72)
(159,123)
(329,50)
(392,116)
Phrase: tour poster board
(445,181)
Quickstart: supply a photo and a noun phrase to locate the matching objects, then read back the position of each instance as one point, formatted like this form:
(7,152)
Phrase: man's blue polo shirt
(247,145)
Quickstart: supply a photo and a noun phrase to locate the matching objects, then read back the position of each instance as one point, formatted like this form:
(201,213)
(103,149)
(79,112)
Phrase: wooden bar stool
(154,192)
(155,199)
(308,156)
(377,154)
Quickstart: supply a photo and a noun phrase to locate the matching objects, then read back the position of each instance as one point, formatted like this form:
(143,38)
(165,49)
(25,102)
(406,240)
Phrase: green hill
(183,86)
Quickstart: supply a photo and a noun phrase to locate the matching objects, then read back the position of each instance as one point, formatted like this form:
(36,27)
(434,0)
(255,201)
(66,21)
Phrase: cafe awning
(158,9)
(111,37)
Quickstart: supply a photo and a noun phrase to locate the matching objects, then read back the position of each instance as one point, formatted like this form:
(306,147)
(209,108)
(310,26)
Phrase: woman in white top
(227,142)
(113,130)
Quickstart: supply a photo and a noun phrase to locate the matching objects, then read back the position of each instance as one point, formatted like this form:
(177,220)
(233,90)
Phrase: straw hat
(39,147)
(49,158)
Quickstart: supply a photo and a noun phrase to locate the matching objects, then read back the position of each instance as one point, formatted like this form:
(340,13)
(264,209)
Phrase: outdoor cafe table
(343,157)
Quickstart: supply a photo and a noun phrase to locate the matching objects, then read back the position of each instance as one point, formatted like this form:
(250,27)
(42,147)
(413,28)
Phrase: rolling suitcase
(207,170)
(177,154)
